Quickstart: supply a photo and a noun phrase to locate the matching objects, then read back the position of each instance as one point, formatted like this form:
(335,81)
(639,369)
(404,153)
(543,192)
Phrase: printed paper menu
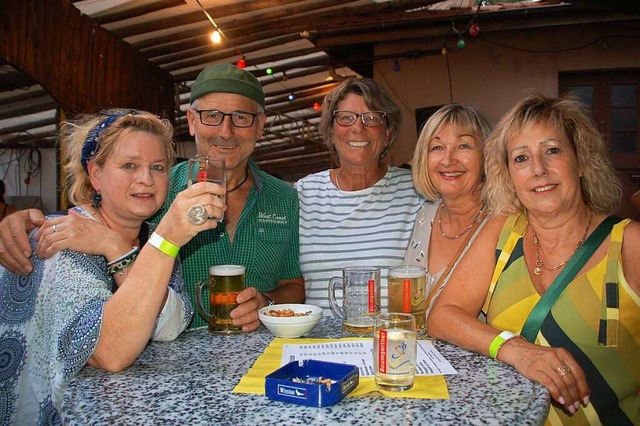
(430,362)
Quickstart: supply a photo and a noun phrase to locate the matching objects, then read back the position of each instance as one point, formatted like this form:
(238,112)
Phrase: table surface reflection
(190,380)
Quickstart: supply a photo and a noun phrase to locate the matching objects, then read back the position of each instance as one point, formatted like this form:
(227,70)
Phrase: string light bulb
(241,63)
(216,37)
(291,96)
(461,44)
(474,29)
(316,106)
(444,51)
(269,71)
(396,65)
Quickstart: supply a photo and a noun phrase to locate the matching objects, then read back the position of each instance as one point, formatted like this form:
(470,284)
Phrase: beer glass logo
(399,358)
(394,359)
(406,296)
(371,293)
(418,298)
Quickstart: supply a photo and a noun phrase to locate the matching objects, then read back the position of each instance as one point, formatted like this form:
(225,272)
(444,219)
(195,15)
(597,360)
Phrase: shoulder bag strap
(541,310)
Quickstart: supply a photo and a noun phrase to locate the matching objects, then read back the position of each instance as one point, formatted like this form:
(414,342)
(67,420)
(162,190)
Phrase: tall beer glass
(407,293)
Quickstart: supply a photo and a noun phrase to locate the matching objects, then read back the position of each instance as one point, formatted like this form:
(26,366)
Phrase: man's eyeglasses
(213,117)
(369,118)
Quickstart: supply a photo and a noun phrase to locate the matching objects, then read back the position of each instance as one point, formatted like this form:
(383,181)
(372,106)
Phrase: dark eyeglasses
(213,117)
(369,118)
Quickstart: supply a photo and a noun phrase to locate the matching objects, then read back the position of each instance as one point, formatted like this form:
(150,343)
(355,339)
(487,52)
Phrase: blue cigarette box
(313,383)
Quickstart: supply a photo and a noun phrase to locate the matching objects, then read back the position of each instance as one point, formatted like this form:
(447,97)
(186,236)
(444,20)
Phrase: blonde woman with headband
(100,300)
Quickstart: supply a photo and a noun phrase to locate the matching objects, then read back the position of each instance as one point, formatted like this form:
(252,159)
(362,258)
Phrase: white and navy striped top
(370,227)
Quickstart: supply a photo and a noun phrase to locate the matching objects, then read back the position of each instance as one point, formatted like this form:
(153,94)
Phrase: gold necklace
(464,231)
(540,263)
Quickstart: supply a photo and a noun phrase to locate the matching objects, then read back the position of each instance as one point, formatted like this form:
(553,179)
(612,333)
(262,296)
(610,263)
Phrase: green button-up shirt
(265,242)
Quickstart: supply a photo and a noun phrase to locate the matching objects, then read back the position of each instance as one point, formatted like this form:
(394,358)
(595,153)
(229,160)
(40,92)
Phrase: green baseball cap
(227,78)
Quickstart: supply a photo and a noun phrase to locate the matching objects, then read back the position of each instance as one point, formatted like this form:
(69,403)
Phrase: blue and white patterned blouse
(50,322)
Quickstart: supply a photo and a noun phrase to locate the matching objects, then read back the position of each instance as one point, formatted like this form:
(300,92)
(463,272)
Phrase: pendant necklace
(540,263)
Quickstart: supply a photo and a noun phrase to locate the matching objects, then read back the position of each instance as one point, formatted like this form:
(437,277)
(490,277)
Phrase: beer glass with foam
(224,284)
(408,293)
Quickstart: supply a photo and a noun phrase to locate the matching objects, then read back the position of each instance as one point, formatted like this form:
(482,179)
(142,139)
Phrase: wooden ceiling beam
(17,128)
(209,52)
(237,29)
(302,63)
(250,62)
(45,103)
(118,13)
(219,13)
(321,85)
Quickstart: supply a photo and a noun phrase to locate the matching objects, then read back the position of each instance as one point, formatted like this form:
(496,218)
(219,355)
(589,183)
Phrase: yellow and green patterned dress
(596,318)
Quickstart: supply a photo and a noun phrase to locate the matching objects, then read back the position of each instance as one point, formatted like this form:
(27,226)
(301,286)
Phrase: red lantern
(474,30)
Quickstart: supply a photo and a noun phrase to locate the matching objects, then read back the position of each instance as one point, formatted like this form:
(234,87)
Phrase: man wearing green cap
(260,227)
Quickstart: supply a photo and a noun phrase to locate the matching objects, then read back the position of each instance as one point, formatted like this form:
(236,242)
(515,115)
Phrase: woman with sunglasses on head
(362,212)
(99,302)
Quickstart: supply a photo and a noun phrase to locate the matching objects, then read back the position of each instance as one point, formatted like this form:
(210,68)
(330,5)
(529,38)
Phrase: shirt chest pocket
(272,246)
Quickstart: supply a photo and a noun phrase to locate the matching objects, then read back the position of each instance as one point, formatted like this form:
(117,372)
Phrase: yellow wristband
(497,343)
(163,245)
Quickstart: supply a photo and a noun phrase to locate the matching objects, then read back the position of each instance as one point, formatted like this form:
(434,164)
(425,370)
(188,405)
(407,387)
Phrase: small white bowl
(290,326)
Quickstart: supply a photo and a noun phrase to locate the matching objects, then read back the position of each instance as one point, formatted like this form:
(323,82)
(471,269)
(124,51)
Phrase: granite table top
(189,381)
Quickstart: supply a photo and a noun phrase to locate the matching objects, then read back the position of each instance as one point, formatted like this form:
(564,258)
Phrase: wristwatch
(268,299)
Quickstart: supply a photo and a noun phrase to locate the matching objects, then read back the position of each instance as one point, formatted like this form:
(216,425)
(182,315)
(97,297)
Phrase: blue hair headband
(90,146)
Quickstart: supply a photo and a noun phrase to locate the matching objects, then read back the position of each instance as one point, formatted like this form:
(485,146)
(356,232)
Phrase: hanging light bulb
(316,106)
(461,44)
(269,71)
(241,63)
(291,96)
(444,51)
(396,65)
(215,37)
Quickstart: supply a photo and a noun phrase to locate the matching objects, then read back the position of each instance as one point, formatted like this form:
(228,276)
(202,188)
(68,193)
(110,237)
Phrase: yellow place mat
(426,387)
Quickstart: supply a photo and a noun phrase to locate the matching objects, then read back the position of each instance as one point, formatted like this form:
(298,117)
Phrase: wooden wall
(82,66)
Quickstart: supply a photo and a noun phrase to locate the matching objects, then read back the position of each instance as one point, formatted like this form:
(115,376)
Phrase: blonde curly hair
(600,186)
(74,134)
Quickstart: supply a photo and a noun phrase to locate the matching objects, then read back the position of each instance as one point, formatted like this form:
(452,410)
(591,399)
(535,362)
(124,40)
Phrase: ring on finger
(563,370)
(197,215)
(55,227)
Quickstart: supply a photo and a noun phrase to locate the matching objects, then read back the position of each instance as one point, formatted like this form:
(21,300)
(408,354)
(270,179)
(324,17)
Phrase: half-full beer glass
(408,293)
(224,284)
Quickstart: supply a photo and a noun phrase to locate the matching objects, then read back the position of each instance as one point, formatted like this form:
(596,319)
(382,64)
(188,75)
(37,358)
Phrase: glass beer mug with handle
(225,283)
(361,299)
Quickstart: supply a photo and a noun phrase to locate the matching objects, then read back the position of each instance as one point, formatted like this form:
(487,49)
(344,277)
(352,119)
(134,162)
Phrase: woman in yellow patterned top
(550,184)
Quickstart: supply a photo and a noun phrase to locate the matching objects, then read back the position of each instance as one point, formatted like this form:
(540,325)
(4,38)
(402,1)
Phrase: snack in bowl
(290,319)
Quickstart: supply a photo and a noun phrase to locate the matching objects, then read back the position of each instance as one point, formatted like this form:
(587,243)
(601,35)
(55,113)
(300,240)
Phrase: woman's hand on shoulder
(175,225)
(79,233)
(554,368)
